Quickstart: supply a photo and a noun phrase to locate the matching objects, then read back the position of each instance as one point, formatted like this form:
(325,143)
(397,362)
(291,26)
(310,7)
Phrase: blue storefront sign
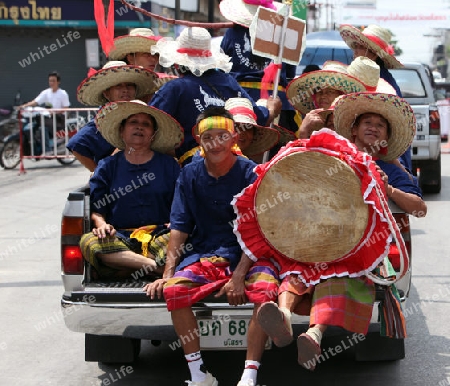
(67,13)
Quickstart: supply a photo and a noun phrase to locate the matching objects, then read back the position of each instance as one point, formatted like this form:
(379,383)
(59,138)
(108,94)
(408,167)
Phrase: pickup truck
(417,86)
(116,315)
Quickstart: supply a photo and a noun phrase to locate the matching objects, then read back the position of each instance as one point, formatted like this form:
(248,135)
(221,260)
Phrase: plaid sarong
(344,302)
(202,278)
(91,247)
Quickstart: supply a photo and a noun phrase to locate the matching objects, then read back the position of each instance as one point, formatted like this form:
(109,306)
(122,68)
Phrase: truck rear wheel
(430,176)
(111,349)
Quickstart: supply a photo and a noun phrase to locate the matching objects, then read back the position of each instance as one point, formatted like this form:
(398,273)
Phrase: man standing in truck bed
(204,255)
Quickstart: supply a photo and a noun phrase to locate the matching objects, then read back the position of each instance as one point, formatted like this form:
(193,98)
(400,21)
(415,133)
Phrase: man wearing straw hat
(135,48)
(204,255)
(116,81)
(383,126)
(131,192)
(314,91)
(253,140)
(204,82)
(374,43)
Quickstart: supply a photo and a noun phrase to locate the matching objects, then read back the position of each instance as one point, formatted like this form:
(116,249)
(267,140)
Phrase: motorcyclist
(53,97)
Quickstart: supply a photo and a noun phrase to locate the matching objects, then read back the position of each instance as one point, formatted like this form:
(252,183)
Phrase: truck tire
(111,349)
(430,176)
(379,348)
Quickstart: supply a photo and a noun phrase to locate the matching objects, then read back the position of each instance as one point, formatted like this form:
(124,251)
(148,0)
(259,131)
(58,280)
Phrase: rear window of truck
(409,82)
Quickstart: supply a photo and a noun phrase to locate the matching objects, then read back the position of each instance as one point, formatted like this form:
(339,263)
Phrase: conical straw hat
(169,134)
(90,91)
(242,12)
(394,109)
(138,40)
(264,137)
(375,38)
(301,90)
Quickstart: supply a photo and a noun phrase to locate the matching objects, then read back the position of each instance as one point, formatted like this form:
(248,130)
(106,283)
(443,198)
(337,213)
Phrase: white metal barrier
(44,133)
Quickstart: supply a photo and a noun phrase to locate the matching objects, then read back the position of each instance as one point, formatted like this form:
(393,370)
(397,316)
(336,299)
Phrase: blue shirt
(186,97)
(90,143)
(405,158)
(131,196)
(399,179)
(250,68)
(202,208)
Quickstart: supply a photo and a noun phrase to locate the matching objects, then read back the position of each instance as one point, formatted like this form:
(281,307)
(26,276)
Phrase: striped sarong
(293,284)
(92,247)
(196,281)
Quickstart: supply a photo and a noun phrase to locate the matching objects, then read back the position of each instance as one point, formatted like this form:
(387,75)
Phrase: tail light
(71,257)
(402,220)
(72,260)
(435,123)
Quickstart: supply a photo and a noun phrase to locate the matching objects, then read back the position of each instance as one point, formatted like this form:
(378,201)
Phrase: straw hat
(90,91)
(138,40)
(326,216)
(242,11)
(368,72)
(300,91)
(394,109)
(375,38)
(285,134)
(169,134)
(193,50)
(245,118)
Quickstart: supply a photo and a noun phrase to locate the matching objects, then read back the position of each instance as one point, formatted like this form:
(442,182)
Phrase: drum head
(310,207)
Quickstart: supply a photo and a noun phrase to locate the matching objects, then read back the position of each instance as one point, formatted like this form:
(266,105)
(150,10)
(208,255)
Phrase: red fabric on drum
(364,257)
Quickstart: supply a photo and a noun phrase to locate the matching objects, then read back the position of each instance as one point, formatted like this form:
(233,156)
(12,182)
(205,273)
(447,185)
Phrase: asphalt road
(37,349)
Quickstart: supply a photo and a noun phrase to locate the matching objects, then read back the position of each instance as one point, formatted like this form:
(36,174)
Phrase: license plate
(228,333)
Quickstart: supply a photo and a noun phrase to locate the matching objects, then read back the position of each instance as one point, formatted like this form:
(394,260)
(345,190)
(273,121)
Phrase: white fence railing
(44,133)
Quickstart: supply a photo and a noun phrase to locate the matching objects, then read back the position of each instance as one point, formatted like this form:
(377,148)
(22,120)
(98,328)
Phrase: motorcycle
(33,119)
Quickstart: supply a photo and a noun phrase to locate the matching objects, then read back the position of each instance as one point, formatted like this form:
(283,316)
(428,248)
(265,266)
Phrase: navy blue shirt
(405,158)
(131,196)
(250,68)
(90,143)
(399,179)
(202,208)
(186,97)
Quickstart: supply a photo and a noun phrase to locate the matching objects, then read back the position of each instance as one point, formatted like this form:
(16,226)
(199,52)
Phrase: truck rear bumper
(152,320)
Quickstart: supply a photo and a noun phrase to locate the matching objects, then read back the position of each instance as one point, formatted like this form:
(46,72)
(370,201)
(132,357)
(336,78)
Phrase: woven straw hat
(394,109)
(375,38)
(368,72)
(90,91)
(325,216)
(245,119)
(242,11)
(138,40)
(285,134)
(333,75)
(193,50)
(169,134)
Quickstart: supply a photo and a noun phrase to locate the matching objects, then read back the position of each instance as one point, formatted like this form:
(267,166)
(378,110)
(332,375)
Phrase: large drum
(318,203)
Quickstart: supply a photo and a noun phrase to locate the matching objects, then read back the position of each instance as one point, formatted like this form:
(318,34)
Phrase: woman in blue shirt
(132,191)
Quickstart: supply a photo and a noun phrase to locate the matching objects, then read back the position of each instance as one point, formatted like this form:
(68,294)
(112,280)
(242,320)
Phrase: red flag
(105,32)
